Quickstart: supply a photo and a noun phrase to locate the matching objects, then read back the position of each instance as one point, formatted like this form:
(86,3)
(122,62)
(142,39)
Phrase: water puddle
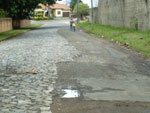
(70,93)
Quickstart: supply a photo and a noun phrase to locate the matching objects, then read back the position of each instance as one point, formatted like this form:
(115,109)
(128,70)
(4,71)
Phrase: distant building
(56,10)
(60,10)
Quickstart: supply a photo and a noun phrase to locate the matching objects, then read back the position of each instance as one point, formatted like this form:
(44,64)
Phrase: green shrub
(45,18)
(42,18)
(38,18)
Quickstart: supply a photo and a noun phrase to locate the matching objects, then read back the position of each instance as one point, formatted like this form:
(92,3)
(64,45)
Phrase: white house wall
(59,15)
(66,11)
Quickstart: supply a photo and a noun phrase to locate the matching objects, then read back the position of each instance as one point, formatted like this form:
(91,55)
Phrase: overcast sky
(87,2)
(95,2)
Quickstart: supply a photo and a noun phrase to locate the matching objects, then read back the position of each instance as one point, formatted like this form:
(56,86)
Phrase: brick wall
(5,24)
(21,23)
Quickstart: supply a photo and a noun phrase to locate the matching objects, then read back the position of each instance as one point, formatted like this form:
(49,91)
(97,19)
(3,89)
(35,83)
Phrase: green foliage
(41,18)
(137,40)
(21,9)
(73,3)
(39,14)
(83,9)
(38,18)
(3,13)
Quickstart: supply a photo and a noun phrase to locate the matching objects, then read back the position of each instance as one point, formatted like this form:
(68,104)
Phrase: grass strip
(14,32)
(137,40)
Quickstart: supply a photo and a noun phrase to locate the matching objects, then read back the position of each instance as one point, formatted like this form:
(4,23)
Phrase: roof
(39,10)
(55,6)
(60,6)
(44,7)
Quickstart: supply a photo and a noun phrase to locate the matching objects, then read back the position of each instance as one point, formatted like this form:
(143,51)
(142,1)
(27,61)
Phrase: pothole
(68,93)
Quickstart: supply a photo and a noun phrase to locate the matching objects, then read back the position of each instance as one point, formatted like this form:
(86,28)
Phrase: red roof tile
(60,6)
(55,6)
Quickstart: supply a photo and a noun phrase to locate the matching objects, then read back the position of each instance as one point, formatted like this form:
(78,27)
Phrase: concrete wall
(5,24)
(123,13)
(21,23)
(95,15)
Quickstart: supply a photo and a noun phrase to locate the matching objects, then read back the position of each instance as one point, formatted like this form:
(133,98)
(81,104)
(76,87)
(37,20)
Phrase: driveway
(54,70)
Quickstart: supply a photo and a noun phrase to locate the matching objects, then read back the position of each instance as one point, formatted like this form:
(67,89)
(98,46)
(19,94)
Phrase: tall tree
(21,9)
(73,3)
(3,13)
(48,3)
(83,10)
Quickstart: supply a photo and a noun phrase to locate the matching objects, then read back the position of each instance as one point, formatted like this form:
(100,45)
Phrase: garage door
(66,14)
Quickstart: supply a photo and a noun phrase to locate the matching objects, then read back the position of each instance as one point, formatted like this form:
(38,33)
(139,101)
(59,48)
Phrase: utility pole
(77,11)
(92,22)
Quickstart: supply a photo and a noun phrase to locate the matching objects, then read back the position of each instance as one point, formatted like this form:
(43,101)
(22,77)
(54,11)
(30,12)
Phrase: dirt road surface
(54,70)
(109,78)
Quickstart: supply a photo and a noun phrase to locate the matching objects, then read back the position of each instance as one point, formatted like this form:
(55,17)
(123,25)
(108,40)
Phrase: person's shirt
(71,22)
(74,25)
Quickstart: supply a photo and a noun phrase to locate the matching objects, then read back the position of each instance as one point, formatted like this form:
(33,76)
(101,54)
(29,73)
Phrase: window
(58,12)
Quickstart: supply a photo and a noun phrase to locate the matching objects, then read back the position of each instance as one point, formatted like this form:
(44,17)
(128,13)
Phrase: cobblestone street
(54,70)
(28,69)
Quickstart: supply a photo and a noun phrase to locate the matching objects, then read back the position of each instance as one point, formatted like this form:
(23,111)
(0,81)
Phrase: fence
(21,23)
(5,24)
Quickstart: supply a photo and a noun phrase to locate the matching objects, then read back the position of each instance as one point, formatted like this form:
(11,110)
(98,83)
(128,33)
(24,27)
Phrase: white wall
(59,15)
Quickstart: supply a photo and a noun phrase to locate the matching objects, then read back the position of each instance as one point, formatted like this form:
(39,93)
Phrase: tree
(3,13)
(21,9)
(83,10)
(48,3)
(73,3)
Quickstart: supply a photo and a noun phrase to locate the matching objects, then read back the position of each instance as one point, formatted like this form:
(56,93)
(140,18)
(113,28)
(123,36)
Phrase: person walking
(71,22)
(74,26)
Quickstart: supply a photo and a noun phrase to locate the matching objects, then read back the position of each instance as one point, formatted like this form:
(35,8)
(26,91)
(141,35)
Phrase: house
(60,10)
(56,10)
(41,10)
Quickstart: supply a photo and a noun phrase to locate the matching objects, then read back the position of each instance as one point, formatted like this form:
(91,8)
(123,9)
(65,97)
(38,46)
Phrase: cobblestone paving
(28,69)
